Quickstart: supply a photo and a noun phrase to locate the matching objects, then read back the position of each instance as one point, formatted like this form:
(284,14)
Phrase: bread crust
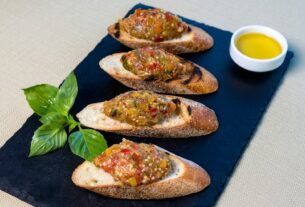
(199,41)
(192,179)
(203,82)
(197,120)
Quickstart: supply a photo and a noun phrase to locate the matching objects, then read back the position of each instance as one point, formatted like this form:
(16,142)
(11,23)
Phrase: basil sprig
(53,104)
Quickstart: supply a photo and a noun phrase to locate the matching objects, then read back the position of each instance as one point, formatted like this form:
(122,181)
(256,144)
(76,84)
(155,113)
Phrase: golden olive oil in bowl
(258,46)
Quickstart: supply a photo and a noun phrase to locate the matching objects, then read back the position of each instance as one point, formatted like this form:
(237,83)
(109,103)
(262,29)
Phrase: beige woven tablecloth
(42,41)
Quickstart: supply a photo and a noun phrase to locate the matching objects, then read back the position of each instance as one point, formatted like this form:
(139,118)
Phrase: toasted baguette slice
(195,119)
(195,40)
(202,82)
(186,178)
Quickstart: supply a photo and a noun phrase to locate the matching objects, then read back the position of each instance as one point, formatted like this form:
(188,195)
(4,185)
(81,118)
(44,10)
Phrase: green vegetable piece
(41,97)
(53,118)
(47,138)
(72,126)
(87,143)
(72,123)
(66,95)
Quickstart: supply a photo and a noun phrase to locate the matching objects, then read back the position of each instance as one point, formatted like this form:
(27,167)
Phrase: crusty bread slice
(202,82)
(185,178)
(195,119)
(195,40)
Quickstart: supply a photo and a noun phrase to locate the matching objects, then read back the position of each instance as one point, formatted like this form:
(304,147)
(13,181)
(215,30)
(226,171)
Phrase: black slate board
(239,103)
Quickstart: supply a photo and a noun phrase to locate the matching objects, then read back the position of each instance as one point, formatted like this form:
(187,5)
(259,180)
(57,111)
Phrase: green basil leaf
(66,94)
(47,138)
(87,143)
(54,118)
(41,97)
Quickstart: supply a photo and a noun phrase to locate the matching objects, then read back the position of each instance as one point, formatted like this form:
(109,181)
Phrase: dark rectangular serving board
(239,104)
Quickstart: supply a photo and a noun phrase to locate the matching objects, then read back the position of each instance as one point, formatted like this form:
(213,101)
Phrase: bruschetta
(160,71)
(147,114)
(158,28)
(140,171)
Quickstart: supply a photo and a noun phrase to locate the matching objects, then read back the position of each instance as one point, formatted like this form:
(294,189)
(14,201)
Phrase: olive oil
(257,45)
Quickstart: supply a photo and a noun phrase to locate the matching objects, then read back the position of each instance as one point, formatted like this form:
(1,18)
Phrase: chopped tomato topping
(153,24)
(143,163)
(168,17)
(140,108)
(156,64)
(126,151)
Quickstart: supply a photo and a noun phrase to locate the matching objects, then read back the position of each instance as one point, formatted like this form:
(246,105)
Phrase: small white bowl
(258,65)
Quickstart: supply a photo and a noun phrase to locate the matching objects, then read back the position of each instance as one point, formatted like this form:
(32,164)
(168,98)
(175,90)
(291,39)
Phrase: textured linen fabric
(42,41)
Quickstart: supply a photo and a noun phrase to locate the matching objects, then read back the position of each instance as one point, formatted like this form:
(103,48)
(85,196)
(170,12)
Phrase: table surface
(42,41)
